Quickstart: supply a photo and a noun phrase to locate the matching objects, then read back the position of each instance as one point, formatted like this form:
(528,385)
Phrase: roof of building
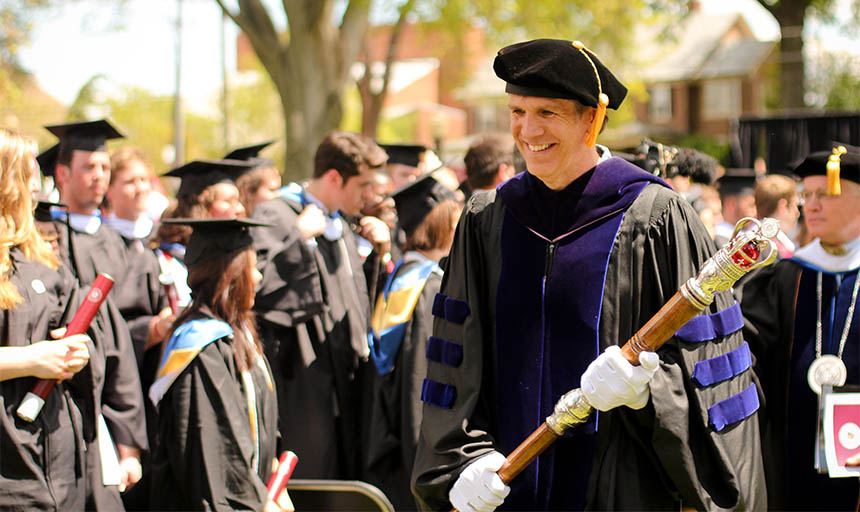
(705,46)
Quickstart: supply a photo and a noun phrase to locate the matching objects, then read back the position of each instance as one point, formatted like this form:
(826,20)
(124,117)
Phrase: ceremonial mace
(749,248)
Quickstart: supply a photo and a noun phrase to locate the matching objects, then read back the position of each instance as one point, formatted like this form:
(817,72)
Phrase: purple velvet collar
(600,191)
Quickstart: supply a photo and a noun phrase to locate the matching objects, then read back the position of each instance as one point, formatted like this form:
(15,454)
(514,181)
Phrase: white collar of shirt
(131,229)
(333,224)
(88,224)
(604,153)
(786,241)
(814,254)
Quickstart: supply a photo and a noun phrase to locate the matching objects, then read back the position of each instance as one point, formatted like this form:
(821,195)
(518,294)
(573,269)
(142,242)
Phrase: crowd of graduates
(249,317)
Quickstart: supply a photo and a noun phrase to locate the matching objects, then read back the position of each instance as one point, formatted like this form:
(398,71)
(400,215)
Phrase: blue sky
(77,40)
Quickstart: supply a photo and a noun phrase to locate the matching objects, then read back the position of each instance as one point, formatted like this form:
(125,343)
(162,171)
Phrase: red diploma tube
(33,402)
(278,480)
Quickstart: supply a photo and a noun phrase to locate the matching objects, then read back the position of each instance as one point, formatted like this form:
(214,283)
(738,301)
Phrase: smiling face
(550,135)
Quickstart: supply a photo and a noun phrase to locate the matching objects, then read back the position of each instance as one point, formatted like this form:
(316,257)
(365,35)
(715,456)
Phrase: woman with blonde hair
(43,461)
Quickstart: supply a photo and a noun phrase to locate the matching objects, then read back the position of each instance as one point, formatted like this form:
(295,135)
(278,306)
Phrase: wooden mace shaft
(651,336)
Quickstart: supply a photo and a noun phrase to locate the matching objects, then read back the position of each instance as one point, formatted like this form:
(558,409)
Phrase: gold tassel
(602,100)
(597,123)
(833,186)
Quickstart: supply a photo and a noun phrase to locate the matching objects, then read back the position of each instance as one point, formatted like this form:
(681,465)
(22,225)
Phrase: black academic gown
(118,386)
(779,305)
(42,463)
(396,407)
(139,296)
(520,318)
(204,456)
(312,310)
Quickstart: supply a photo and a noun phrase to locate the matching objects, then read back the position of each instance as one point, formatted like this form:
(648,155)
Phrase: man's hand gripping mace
(747,250)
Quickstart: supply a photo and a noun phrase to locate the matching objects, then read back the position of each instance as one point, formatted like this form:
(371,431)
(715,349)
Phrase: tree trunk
(790,14)
(371,101)
(309,70)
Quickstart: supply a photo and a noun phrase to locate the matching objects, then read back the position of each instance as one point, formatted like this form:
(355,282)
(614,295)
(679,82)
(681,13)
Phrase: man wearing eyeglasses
(803,327)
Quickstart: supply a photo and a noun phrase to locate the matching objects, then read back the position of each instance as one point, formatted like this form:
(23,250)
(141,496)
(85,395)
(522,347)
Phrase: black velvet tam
(555,68)
(211,238)
(816,164)
(86,135)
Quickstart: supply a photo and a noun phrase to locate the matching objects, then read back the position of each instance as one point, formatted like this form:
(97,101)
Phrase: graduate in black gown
(313,304)
(139,295)
(401,324)
(217,408)
(801,314)
(546,277)
(207,190)
(82,172)
(41,462)
(141,299)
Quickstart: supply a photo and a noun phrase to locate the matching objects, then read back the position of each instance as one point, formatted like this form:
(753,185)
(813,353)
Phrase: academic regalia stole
(555,251)
(800,427)
(183,346)
(395,307)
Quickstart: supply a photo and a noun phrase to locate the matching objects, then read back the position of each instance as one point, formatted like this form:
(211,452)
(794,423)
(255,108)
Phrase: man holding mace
(546,277)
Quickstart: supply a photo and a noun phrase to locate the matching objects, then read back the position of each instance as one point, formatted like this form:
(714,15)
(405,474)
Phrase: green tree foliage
(16,23)
(792,15)
(835,82)
(146,119)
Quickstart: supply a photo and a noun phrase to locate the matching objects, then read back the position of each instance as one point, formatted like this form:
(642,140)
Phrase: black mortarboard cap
(248,153)
(555,68)
(736,182)
(415,200)
(197,175)
(406,154)
(43,210)
(85,135)
(48,160)
(211,238)
(816,163)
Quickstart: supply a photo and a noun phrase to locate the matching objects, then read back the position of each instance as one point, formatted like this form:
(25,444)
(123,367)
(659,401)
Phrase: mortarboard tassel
(602,100)
(833,186)
(599,116)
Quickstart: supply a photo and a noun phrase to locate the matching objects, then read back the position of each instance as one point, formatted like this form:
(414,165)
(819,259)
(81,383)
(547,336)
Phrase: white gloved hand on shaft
(610,381)
(479,487)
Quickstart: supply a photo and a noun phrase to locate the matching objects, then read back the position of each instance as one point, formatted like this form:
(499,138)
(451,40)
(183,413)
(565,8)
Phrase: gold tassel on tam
(833,186)
(599,116)
(602,100)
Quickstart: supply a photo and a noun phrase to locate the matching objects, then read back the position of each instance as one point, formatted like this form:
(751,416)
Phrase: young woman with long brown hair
(402,321)
(214,391)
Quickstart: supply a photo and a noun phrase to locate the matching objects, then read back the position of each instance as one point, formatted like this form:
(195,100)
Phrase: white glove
(479,487)
(611,381)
